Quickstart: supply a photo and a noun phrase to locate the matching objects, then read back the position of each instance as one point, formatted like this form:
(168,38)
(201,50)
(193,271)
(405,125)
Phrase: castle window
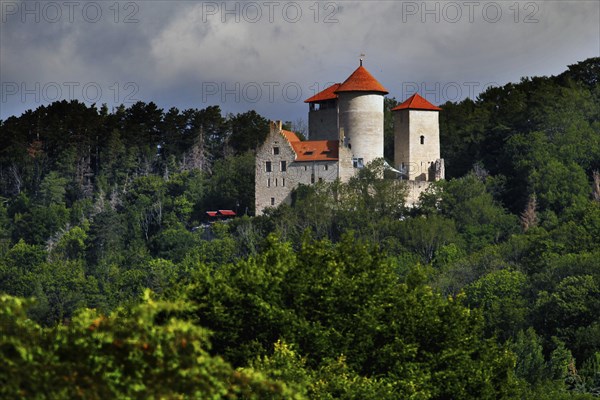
(358,162)
(283,166)
(306,167)
(320,179)
(269,182)
(275,182)
(326,167)
(268,167)
(275,150)
(422,139)
(283,182)
(312,178)
(272,201)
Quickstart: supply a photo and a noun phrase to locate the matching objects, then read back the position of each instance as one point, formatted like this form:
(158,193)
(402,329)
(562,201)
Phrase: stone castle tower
(346,132)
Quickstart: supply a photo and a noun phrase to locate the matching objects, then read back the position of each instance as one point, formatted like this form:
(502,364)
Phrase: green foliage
(52,189)
(147,351)
(248,131)
(231,185)
(501,296)
(477,215)
(344,299)
(531,365)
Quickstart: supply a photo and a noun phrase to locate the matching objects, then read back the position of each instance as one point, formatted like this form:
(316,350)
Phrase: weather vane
(362,57)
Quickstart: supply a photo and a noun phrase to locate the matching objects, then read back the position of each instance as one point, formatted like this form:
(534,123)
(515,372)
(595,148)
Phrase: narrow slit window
(422,139)
(272,201)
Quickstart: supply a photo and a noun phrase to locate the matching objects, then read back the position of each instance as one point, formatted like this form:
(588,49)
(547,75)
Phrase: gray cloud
(271,56)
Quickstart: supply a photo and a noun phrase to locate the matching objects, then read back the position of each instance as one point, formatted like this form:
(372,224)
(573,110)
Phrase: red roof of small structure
(361,81)
(316,150)
(416,102)
(212,213)
(324,95)
(228,213)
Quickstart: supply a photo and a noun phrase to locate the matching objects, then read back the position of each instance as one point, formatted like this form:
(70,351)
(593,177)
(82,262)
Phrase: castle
(345,128)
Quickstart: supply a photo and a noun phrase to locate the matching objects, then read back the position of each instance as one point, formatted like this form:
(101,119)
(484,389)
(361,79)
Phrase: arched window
(422,139)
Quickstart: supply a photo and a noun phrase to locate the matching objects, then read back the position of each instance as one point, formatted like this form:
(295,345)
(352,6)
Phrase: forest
(114,284)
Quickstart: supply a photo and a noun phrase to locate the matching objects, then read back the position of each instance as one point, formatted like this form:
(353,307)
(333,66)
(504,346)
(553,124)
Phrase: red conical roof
(416,102)
(361,81)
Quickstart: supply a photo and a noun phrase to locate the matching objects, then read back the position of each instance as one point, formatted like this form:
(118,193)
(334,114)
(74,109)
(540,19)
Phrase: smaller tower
(323,114)
(417,140)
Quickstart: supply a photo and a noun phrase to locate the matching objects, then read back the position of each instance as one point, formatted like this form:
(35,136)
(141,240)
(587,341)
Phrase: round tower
(360,115)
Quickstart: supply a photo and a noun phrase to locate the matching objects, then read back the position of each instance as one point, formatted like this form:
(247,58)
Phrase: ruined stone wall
(415,188)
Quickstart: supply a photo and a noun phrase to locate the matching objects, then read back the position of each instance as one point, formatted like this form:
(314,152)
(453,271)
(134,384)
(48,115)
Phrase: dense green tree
(248,131)
(501,296)
(231,185)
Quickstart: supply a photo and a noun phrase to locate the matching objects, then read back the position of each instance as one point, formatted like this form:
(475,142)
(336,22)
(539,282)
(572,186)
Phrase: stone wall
(323,124)
(415,188)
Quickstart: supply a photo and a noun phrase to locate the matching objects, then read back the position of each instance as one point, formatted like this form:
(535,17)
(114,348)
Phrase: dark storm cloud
(271,56)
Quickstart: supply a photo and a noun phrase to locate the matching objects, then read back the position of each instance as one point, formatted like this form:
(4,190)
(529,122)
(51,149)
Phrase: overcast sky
(271,55)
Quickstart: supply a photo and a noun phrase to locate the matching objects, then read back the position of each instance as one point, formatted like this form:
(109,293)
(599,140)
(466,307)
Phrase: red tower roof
(325,94)
(416,102)
(361,81)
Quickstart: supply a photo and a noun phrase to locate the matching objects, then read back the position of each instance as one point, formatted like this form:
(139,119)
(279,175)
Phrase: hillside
(489,289)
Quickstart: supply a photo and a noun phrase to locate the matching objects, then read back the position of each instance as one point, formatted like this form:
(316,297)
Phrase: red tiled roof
(324,95)
(212,213)
(227,213)
(290,136)
(416,102)
(361,81)
(316,150)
